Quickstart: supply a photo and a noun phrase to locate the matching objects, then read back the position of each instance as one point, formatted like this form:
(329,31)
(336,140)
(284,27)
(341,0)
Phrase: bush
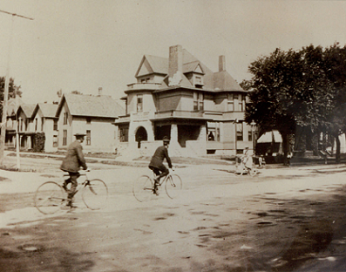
(39,140)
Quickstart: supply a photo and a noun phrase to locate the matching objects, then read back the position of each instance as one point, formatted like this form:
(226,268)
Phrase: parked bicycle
(143,187)
(50,196)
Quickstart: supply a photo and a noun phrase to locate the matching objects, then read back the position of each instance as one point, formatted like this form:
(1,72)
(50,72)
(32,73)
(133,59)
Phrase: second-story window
(239,131)
(65,118)
(42,124)
(139,103)
(88,137)
(21,124)
(250,135)
(64,137)
(230,102)
(198,101)
(55,125)
(241,101)
(36,121)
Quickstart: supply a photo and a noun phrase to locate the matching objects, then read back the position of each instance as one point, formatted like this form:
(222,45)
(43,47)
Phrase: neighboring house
(92,115)
(44,120)
(200,110)
(25,125)
(11,121)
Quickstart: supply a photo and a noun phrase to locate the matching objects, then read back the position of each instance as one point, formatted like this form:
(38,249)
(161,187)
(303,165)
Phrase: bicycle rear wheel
(95,194)
(143,188)
(252,172)
(49,197)
(173,186)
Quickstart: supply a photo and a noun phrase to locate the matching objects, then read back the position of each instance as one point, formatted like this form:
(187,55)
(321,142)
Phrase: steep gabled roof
(48,110)
(91,106)
(158,64)
(28,109)
(152,65)
(213,82)
(225,82)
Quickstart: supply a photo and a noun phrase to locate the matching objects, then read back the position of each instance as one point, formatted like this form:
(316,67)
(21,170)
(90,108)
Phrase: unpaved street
(288,219)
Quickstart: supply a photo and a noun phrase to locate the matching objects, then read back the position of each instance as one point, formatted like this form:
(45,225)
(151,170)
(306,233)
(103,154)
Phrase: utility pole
(6,90)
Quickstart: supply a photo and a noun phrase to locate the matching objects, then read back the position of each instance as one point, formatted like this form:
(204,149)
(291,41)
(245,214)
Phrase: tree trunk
(285,147)
(338,146)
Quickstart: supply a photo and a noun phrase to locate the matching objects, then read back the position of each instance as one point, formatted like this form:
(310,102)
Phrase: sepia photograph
(172,136)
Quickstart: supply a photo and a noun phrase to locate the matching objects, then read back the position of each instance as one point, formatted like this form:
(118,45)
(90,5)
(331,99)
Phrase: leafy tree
(299,91)
(272,88)
(13,92)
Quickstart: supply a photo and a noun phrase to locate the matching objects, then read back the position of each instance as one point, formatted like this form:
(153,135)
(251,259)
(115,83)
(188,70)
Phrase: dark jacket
(160,154)
(74,158)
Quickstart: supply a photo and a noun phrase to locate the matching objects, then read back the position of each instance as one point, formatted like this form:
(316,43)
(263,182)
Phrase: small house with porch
(45,121)
(90,115)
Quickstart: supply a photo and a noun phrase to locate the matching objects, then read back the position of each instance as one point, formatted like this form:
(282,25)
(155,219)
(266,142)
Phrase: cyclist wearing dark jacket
(156,163)
(72,163)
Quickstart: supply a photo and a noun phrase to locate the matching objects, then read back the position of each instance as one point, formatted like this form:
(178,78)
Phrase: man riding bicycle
(72,163)
(156,163)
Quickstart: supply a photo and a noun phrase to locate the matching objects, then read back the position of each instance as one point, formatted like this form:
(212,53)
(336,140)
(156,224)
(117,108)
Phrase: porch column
(132,135)
(174,145)
(203,134)
(202,141)
(174,133)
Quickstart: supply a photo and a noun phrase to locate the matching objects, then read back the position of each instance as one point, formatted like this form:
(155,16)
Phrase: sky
(87,44)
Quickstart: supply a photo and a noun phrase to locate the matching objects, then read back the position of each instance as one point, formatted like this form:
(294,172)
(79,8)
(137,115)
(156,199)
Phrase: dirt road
(281,220)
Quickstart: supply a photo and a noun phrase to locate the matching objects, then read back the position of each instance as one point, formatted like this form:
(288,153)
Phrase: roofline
(60,106)
(94,116)
(181,118)
(198,89)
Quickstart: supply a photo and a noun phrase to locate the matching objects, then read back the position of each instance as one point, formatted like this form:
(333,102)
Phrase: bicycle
(143,187)
(242,169)
(50,196)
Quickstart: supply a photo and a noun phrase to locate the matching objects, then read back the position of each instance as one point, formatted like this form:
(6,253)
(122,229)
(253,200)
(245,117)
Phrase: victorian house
(200,110)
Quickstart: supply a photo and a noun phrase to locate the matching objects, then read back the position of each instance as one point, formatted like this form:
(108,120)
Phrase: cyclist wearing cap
(72,163)
(156,163)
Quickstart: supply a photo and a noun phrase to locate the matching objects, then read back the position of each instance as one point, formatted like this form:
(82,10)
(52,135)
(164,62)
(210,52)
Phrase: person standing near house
(156,163)
(247,159)
(72,163)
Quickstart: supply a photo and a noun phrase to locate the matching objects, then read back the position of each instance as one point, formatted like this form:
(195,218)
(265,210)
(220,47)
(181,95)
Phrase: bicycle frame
(66,176)
(162,180)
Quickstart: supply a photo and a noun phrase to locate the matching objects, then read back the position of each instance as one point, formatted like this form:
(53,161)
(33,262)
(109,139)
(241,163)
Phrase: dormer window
(145,80)
(198,81)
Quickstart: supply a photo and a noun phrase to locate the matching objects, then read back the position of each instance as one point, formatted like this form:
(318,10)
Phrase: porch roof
(181,118)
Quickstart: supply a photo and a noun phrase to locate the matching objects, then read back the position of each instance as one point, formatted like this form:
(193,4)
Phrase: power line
(17,15)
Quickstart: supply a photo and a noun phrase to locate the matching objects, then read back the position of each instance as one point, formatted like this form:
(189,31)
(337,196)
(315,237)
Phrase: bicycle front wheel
(143,188)
(173,186)
(95,194)
(49,197)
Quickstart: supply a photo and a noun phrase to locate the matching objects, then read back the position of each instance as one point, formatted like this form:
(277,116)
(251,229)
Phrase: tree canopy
(12,93)
(303,88)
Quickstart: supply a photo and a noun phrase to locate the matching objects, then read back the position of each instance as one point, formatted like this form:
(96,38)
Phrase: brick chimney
(175,60)
(222,63)
(100,91)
